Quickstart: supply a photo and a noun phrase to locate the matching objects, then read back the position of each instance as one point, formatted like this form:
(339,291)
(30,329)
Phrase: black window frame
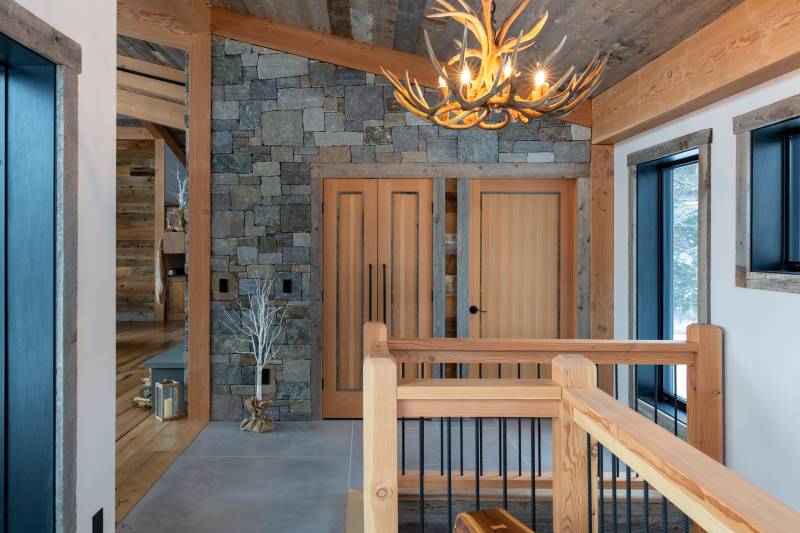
(656,385)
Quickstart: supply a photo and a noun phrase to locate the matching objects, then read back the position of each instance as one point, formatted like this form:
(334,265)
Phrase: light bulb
(507,70)
(465,76)
(539,78)
(442,83)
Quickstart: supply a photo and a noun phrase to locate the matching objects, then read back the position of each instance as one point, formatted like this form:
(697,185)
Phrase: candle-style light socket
(167,401)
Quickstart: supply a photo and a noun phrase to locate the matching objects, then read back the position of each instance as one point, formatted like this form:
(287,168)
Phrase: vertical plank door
(350,254)
(405,218)
(522,267)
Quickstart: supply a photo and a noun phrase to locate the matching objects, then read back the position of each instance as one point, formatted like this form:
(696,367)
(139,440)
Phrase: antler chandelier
(484,86)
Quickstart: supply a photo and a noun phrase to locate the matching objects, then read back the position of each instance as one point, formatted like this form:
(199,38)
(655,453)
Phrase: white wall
(92,23)
(762,331)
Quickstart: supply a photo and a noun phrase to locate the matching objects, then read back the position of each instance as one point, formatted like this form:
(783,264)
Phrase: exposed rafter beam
(337,50)
(150,109)
(142,84)
(165,22)
(151,69)
(750,44)
(133,134)
(157,131)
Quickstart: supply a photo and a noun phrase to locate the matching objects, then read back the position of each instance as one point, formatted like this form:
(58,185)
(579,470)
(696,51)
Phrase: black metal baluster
(589,478)
(449,479)
(505,465)
(519,447)
(480,449)
(675,400)
(499,444)
(441,446)
(601,504)
(628,509)
(664,513)
(533,477)
(646,488)
(655,392)
(461,442)
(614,466)
(403,445)
(422,474)
(685,524)
(538,427)
(477,467)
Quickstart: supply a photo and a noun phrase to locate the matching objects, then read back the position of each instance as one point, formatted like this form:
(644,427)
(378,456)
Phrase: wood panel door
(376,266)
(523,267)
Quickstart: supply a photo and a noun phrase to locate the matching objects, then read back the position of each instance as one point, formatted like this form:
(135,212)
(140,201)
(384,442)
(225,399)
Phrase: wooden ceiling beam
(150,109)
(133,134)
(170,23)
(157,131)
(151,69)
(150,86)
(750,44)
(336,50)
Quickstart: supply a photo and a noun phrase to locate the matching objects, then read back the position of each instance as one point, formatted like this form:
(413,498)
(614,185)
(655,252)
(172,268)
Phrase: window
(768,197)
(669,230)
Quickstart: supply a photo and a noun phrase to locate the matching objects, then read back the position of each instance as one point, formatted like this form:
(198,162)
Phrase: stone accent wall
(275,114)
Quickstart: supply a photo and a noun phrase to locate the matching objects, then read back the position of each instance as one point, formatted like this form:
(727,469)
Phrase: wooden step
(489,521)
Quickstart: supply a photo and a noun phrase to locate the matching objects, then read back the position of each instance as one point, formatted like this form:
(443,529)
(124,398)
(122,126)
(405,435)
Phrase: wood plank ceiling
(634,32)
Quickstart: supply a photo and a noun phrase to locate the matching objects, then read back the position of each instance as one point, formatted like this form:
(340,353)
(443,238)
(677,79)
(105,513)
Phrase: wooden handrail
(542,351)
(712,495)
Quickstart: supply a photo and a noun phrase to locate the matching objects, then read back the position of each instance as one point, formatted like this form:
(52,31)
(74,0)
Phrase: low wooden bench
(489,521)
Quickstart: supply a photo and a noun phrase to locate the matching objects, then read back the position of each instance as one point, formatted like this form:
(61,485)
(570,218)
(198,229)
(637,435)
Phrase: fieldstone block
(271,186)
(334,154)
(572,152)
(236,163)
(237,92)
(522,147)
(221,142)
(245,195)
(289,99)
(267,215)
(270,258)
(250,59)
(231,280)
(230,374)
(266,168)
(295,218)
(263,89)
(298,331)
(540,157)
(518,131)
(295,255)
(428,133)
(314,119)
(555,133)
(321,74)
(226,70)
(405,138)
(226,407)
(233,47)
(289,390)
(513,158)
(227,343)
(362,154)
(297,370)
(225,110)
(334,122)
(295,173)
(288,83)
(377,135)
(346,76)
(288,286)
(477,146)
(353,125)
(282,154)
(222,246)
(282,128)
(415,157)
(260,271)
(220,201)
(250,115)
(443,151)
(338,138)
(580,133)
(247,255)
(281,66)
(363,102)
(388,157)
(225,224)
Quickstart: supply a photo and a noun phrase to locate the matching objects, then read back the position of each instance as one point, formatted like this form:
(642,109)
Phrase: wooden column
(570,490)
(380,432)
(199,256)
(158,223)
(602,253)
(706,401)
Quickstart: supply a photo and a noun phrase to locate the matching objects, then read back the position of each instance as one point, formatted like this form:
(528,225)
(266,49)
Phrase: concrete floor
(295,478)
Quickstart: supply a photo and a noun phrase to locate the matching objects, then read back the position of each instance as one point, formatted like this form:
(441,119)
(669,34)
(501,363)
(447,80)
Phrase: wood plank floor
(145,447)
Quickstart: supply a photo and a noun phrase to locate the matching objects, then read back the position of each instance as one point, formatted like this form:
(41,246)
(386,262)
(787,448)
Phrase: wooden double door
(377,266)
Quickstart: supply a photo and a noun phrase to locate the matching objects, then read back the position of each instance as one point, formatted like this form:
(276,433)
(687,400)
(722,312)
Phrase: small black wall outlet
(97,522)
(223,285)
(287,286)
(265,376)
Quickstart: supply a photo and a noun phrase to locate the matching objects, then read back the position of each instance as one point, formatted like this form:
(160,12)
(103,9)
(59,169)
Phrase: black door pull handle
(474,310)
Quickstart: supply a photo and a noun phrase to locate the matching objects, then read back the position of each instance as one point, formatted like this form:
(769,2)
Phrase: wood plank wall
(135,193)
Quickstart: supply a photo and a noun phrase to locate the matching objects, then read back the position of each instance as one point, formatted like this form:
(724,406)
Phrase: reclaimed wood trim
(171,23)
(713,496)
(673,146)
(172,92)
(463,259)
(133,134)
(746,278)
(150,69)
(704,234)
(199,256)
(67,297)
(512,408)
(767,115)
(632,250)
(317,310)
(150,109)
(584,258)
(159,309)
(438,257)
(750,44)
(451,170)
(32,32)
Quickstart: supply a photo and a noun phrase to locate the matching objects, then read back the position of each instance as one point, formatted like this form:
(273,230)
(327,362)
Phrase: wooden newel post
(705,400)
(570,487)
(380,432)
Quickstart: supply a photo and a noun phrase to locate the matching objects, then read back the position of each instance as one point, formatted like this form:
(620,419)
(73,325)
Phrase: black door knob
(474,309)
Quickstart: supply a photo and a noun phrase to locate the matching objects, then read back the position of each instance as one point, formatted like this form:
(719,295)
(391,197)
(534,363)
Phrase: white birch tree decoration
(262,326)
(182,195)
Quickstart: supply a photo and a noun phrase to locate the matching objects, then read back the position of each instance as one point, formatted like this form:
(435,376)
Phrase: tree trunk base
(258,421)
